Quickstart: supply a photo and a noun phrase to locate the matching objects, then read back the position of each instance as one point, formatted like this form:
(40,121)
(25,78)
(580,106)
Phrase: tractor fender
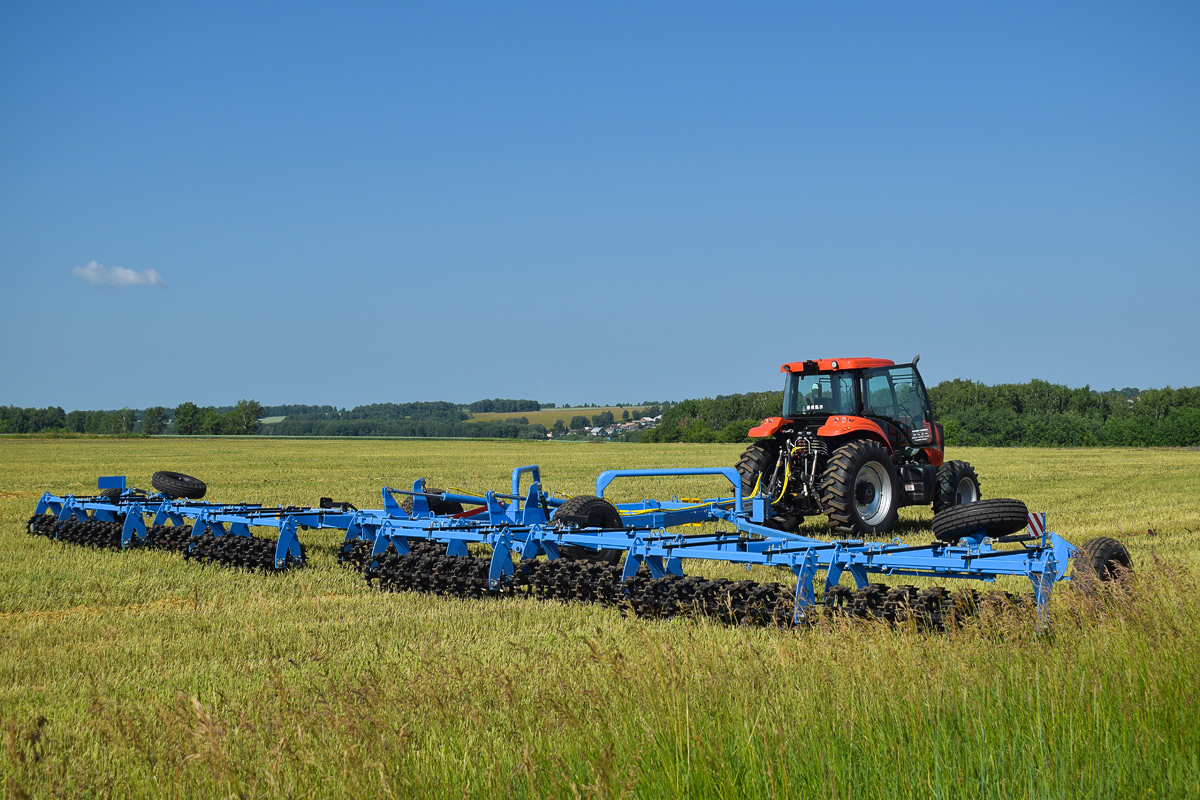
(767,428)
(860,426)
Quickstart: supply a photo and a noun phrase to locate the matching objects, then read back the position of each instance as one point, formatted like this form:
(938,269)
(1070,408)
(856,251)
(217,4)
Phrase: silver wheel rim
(875,511)
(966,492)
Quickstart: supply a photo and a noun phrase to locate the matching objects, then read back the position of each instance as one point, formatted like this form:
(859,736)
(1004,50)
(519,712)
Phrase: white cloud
(97,274)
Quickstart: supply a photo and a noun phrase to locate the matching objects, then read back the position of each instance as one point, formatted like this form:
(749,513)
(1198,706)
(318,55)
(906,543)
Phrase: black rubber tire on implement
(998,517)
(599,514)
(957,484)
(437,505)
(857,474)
(1104,557)
(176,484)
(111,495)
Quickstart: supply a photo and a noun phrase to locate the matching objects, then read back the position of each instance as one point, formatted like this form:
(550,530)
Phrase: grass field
(138,673)
(547,416)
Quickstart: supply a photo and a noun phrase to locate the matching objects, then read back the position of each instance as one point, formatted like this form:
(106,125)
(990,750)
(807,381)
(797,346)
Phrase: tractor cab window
(898,394)
(806,395)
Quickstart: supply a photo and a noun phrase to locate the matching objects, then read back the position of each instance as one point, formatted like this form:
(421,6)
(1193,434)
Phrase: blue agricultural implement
(631,555)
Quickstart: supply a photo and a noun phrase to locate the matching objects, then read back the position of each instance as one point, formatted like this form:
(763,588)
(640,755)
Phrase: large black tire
(599,513)
(759,457)
(437,505)
(858,490)
(1103,557)
(176,484)
(998,517)
(112,495)
(957,485)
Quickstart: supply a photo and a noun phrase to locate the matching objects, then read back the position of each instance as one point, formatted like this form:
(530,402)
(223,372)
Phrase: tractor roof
(836,364)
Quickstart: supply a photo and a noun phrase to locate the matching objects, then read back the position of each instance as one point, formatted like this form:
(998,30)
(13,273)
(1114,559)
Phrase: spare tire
(998,517)
(599,513)
(176,484)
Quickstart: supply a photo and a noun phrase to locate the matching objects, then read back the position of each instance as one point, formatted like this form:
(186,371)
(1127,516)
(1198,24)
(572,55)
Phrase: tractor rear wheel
(758,460)
(957,484)
(757,467)
(599,513)
(858,489)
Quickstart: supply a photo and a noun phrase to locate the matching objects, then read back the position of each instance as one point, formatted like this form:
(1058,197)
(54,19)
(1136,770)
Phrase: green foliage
(154,420)
(579,421)
(721,419)
(1041,414)
(187,419)
(603,418)
(504,406)
(31,420)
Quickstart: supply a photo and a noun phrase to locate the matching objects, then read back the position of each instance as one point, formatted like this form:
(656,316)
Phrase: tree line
(1034,414)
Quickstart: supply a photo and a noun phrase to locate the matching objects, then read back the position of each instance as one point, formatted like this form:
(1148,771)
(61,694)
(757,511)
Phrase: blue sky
(353,203)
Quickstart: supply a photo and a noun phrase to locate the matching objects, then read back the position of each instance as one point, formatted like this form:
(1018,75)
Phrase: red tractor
(856,442)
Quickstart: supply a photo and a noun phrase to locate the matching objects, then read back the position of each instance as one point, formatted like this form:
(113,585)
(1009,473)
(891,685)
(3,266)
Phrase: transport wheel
(956,485)
(998,517)
(1103,557)
(858,489)
(437,505)
(599,514)
(111,495)
(176,484)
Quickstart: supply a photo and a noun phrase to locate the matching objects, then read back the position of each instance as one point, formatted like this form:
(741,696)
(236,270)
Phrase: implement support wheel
(599,513)
(1104,557)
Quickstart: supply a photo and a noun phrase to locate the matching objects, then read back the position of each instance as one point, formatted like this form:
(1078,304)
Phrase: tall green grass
(139,674)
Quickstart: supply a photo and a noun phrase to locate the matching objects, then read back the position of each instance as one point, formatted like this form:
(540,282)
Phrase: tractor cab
(891,395)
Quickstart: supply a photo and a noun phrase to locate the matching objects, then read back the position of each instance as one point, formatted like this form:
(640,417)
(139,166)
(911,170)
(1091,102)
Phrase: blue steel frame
(524,523)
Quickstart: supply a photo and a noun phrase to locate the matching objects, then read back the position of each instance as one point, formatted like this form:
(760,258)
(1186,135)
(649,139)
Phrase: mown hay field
(139,674)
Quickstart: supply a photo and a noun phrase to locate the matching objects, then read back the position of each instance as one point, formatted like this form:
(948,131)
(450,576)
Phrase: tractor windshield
(825,393)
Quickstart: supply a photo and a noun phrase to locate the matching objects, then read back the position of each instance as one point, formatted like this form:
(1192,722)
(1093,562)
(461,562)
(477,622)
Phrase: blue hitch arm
(734,477)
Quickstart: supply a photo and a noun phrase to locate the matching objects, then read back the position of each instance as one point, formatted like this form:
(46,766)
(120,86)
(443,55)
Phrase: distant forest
(428,419)
(1037,414)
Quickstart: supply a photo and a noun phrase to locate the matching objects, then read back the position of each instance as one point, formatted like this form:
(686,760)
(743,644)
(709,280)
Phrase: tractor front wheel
(957,484)
(858,490)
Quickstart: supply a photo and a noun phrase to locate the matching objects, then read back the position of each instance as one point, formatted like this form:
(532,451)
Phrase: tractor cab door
(897,395)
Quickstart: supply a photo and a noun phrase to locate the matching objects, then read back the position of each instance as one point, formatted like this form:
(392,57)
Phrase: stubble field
(138,673)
